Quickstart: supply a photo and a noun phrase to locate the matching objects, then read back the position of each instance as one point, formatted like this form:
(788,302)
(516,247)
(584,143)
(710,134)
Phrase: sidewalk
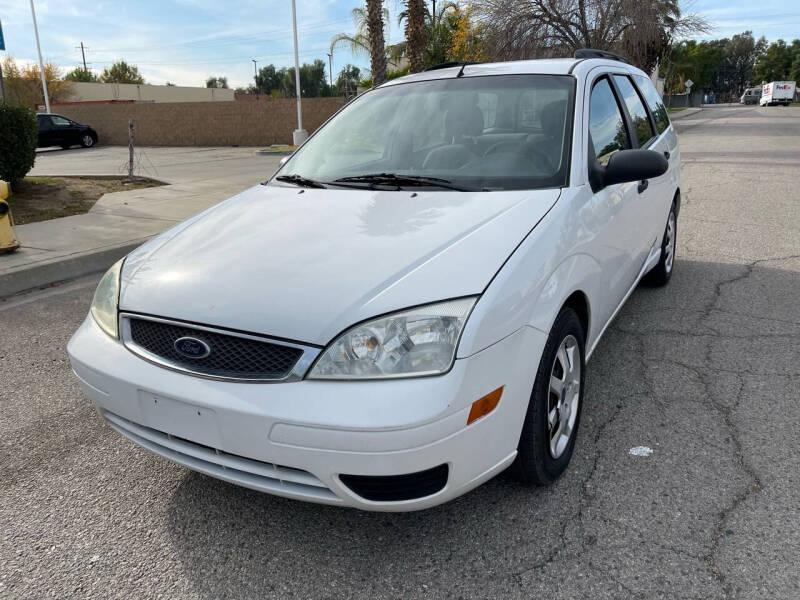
(62,249)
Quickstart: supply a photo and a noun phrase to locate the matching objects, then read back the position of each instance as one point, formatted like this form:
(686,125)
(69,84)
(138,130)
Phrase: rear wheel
(662,272)
(551,423)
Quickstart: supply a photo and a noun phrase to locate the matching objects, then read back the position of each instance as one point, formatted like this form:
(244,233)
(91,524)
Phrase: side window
(641,122)
(60,121)
(606,125)
(654,102)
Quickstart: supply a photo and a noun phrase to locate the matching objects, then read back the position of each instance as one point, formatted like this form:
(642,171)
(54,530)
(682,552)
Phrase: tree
(466,40)
(121,72)
(359,44)
(724,66)
(415,34)
(643,29)
(776,63)
(313,83)
(439,33)
(217,82)
(24,84)
(270,79)
(347,81)
(82,75)
(377,51)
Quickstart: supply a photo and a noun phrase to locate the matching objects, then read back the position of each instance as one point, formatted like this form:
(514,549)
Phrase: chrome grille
(231,356)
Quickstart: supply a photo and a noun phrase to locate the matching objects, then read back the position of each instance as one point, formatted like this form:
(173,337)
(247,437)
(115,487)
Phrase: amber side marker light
(483,406)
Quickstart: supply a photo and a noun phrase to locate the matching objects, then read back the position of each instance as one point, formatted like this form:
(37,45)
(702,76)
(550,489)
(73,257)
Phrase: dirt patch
(45,198)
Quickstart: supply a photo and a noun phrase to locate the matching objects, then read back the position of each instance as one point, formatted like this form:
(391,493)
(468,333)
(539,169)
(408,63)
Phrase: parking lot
(704,372)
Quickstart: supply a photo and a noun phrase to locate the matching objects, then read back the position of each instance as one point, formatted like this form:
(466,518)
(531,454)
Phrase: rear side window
(606,125)
(654,102)
(641,122)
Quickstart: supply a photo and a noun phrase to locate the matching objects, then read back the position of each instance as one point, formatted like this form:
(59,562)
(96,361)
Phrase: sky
(186,41)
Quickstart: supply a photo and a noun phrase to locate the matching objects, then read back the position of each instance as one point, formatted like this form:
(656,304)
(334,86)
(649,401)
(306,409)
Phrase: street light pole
(255,73)
(330,66)
(300,135)
(41,62)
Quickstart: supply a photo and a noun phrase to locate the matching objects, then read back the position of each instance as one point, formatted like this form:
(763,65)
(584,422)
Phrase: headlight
(411,343)
(106,297)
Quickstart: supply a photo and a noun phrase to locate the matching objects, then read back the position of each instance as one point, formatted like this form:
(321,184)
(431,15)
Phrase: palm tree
(415,34)
(377,51)
(358,43)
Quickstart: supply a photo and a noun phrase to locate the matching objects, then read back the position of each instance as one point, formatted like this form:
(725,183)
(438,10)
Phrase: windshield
(471,133)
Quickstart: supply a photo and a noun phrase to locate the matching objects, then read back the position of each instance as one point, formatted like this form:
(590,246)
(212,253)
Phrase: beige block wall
(93,92)
(268,121)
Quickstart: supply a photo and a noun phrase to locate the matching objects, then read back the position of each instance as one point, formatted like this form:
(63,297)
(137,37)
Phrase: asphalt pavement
(704,373)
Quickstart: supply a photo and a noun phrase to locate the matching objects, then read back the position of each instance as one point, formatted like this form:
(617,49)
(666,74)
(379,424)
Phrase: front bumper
(296,439)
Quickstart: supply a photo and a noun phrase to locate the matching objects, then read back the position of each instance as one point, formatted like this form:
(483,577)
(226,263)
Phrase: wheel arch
(579,302)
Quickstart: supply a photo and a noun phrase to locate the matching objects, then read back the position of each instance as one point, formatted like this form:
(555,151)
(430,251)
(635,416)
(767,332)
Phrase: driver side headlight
(106,298)
(412,343)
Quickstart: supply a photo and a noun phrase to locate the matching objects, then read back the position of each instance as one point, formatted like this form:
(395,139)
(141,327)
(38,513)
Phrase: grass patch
(44,198)
(676,109)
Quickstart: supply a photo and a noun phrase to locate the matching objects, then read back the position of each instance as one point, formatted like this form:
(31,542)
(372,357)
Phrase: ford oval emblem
(191,347)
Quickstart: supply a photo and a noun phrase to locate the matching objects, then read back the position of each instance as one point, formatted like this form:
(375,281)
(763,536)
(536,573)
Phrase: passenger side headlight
(106,298)
(412,343)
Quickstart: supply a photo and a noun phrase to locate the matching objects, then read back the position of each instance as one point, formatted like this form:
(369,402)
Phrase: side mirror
(627,165)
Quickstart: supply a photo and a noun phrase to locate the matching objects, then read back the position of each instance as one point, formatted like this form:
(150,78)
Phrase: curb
(64,268)
(273,152)
(684,113)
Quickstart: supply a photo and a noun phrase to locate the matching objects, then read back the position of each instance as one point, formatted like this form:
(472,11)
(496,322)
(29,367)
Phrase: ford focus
(407,307)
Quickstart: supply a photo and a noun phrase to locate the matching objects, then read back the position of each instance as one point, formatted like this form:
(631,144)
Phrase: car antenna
(461,72)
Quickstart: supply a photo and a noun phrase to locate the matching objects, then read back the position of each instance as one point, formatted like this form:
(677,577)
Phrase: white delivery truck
(777,92)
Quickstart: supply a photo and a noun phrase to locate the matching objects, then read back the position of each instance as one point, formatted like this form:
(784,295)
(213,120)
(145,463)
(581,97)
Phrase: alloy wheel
(669,248)
(88,141)
(564,395)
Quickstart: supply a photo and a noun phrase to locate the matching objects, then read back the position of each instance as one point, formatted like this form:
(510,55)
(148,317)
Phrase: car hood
(305,264)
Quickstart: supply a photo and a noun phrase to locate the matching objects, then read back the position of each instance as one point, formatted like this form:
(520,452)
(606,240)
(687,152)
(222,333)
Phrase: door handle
(642,185)
(666,154)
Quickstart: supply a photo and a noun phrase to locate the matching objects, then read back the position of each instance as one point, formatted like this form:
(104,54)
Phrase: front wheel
(87,141)
(551,423)
(662,272)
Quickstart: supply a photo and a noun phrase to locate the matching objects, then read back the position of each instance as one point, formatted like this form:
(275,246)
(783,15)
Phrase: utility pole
(83,55)
(41,62)
(330,66)
(255,73)
(300,135)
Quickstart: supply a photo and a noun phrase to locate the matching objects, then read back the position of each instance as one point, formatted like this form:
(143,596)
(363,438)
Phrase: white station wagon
(407,307)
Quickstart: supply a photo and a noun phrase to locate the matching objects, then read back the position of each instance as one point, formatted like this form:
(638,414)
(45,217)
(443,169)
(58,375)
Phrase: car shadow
(675,376)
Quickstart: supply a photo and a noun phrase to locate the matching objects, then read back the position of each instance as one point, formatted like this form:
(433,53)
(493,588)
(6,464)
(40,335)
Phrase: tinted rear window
(653,101)
(641,122)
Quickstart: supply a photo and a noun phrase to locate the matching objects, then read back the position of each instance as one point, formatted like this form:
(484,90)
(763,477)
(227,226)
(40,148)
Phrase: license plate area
(188,421)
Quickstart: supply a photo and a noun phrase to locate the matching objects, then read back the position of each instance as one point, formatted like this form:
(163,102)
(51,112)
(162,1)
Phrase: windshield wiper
(401,180)
(300,180)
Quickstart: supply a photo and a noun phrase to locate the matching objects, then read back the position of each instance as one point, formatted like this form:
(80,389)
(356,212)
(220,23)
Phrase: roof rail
(452,63)
(594,53)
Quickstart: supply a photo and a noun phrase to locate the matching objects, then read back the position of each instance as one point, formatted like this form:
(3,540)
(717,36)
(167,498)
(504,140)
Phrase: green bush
(18,131)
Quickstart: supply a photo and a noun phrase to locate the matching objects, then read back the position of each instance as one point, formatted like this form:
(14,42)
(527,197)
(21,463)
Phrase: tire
(662,272)
(87,141)
(544,451)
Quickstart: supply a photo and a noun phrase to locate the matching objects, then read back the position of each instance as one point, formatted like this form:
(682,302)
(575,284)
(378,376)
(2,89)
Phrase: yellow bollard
(8,238)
